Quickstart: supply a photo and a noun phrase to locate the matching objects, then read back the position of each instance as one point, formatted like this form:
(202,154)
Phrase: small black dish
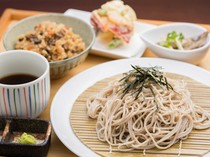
(2,126)
(12,128)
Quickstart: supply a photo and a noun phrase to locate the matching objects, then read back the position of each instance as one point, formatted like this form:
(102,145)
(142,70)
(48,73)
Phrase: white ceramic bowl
(57,68)
(28,99)
(153,36)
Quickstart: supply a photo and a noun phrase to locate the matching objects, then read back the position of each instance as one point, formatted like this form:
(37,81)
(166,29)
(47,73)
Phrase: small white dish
(153,36)
(135,48)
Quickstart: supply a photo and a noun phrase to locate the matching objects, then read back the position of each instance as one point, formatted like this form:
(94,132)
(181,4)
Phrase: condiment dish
(153,36)
(11,129)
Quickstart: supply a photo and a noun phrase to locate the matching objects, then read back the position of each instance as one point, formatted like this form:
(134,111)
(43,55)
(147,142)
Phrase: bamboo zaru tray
(197,144)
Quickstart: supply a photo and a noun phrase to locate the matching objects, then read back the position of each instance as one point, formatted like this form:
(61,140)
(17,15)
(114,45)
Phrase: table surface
(57,148)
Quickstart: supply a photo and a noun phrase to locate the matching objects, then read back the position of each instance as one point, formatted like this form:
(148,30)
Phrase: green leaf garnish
(115,43)
(172,40)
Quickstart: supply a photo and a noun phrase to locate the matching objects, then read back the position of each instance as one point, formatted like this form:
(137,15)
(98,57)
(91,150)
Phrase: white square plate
(135,48)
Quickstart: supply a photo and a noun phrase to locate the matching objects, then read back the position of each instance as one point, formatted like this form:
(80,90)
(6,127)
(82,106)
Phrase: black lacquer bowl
(12,128)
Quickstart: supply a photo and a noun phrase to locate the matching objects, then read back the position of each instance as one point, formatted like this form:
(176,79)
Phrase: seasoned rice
(53,41)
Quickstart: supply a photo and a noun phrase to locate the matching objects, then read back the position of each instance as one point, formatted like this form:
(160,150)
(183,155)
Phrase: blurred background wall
(196,11)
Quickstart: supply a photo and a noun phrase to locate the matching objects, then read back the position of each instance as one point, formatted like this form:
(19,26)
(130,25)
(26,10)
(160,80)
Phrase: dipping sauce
(17,79)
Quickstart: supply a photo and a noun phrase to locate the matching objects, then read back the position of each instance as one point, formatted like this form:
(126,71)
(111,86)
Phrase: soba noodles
(144,110)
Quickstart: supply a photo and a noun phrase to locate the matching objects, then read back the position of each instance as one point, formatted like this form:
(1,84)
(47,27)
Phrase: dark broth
(17,79)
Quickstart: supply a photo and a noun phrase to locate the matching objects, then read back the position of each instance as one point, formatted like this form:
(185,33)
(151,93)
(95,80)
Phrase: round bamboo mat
(197,144)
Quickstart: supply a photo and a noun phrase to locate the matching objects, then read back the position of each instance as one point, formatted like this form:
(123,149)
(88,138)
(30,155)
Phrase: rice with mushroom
(53,41)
